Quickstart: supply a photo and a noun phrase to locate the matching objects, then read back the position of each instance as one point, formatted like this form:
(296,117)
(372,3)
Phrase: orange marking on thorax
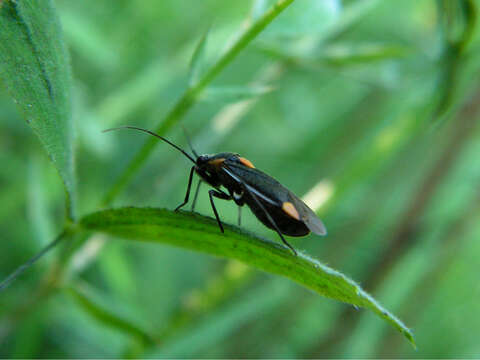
(290,210)
(246,162)
(217,162)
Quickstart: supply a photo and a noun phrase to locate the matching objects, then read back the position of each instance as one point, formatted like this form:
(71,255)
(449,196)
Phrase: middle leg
(220,195)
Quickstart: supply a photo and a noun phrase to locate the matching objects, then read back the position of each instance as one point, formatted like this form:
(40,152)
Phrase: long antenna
(189,141)
(156,135)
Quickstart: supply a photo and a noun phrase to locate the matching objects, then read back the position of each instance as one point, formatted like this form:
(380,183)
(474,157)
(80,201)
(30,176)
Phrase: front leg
(221,195)
(190,177)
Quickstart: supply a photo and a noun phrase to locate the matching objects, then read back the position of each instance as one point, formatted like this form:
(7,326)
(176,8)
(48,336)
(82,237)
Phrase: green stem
(32,261)
(188,99)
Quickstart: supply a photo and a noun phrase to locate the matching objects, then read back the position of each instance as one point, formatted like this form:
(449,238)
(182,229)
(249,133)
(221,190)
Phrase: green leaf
(105,316)
(338,54)
(197,63)
(200,233)
(34,66)
(233,94)
(345,54)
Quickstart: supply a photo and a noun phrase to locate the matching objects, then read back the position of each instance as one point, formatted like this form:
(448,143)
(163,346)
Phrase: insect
(272,203)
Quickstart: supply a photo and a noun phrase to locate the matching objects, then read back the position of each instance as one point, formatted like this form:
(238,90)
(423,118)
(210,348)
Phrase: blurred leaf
(233,94)
(38,206)
(86,38)
(201,233)
(339,54)
(28,340)
(458,20)
(353,13)
(219,289)
(453,56)
(223,322)
(363,53)
(305,18)
(258,8)
(197,63)
(105,316)
(35,68)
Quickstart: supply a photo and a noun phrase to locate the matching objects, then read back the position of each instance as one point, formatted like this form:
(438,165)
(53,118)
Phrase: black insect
(272,203)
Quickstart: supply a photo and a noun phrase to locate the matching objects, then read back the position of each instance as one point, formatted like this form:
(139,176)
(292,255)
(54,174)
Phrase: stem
(30,262)
(188,99)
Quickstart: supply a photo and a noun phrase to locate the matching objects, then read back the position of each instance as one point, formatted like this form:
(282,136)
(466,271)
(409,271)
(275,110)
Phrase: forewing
(263,185)
(309,218)
(274,191)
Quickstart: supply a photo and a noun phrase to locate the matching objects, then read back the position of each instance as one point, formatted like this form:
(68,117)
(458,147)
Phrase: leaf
(34,66)
(345,54)
(306,18)
(200,233)
(258,8)
(223,322)
(338,54)
(197,63)
(233,94)
(105,316)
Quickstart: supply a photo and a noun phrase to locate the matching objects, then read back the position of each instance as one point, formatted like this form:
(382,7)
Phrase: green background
(376,101)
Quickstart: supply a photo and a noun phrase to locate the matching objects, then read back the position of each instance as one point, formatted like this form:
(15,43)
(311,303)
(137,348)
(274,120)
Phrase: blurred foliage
(368,107)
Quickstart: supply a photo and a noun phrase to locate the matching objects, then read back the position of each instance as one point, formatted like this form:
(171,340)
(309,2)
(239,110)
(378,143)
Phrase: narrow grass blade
(197,63)
(105,316)
(233,94)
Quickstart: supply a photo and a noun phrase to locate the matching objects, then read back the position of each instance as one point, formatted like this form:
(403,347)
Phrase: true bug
(272,203)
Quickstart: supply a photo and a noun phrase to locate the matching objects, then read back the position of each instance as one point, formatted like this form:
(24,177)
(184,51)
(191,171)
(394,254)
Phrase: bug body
(272,203)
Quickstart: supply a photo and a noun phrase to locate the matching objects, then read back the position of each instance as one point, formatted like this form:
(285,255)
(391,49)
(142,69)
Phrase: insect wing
(308,216)
(263,186)
(275,193)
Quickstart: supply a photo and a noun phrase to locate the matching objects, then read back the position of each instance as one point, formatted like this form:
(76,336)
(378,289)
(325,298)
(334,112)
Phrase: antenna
(189,141)
(156,135)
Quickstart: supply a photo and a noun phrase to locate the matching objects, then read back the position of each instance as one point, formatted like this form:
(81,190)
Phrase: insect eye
(202,159)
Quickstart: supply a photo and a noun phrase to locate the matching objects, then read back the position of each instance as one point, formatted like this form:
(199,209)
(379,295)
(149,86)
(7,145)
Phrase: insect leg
(220,195)
(196,194)
(270,219)
(190,177)
(239,216)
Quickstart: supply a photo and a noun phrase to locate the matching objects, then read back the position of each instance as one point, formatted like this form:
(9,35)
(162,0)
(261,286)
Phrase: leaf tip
(198,58)
(409,335)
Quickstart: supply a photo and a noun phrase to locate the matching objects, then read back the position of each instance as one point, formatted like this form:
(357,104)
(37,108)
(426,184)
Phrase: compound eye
(202,159)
